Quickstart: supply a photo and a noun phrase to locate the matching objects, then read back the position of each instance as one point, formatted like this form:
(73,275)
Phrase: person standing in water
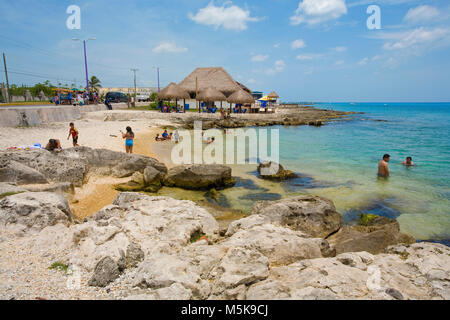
(408,162)
(129,139)
(383,167)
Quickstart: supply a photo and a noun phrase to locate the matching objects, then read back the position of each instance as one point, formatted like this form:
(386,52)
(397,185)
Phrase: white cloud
(339,63)
(314,12)
(421,14)
(251,81)
(259,58)
(276,45)
(279,66)
(419,38)
(309,56)
(364,61)
(228,16)
(169,47)
(298,44)
(340,49)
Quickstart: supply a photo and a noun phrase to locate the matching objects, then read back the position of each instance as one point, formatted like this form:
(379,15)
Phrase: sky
(308,50)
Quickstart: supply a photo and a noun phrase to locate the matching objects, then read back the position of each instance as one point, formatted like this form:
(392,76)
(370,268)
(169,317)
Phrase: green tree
(154,96)
(95,83)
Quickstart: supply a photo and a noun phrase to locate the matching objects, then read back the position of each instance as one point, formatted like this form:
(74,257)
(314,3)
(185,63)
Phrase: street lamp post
(85,62)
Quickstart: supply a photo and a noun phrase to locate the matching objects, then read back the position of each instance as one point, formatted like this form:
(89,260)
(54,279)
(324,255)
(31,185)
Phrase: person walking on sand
(129,140)
(383,167)
(74,132)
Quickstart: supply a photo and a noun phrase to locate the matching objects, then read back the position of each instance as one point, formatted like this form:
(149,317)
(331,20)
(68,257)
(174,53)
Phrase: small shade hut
(273,94)
(211,95)
(240,97)
(173,92)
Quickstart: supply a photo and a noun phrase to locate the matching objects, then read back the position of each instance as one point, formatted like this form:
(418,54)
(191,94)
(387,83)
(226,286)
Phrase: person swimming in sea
(408,162)
(383,167)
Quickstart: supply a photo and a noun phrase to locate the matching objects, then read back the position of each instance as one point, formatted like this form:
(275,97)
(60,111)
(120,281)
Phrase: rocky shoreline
(147,247)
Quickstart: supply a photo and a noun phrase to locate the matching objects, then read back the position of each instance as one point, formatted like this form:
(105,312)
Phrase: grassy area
(59,266)
(31,103)
(7,194)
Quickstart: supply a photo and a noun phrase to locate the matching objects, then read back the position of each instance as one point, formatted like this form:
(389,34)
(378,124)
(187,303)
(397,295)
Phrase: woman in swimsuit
(129,140)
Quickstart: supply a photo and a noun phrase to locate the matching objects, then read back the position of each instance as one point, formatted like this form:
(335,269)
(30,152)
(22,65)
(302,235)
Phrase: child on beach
(53,144)
(74,133)
(129,140)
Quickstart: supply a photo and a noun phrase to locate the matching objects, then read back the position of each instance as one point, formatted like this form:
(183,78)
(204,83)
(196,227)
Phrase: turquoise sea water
(339,161)
(342,159)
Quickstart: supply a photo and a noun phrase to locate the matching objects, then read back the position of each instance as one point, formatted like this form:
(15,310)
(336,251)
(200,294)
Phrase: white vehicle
(143,97)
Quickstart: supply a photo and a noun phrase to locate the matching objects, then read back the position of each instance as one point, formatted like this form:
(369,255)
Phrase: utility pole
(85,62)
(7,80)
(157,72)
(135,90)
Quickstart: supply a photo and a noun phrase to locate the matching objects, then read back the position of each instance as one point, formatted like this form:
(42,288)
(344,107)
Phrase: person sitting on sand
(165,135)
(74,133)
(129,140)
(408,162)
(158,138)
(53,144)
(383,167)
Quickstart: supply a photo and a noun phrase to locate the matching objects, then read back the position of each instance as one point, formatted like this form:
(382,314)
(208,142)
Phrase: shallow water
(339,161)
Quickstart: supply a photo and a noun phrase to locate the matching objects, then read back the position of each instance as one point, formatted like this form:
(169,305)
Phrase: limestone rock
(106,271)
(312,215)
(199,177)
(14,172)
(30,212)
(280,245)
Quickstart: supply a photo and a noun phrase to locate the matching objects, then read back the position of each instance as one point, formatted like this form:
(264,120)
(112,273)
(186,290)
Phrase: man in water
(383,167)
(408,162)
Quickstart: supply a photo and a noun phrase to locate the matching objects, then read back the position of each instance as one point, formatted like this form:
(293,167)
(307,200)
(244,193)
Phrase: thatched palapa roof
(216,78)
(211,95)
(172,91)
(273,94)
(241,97)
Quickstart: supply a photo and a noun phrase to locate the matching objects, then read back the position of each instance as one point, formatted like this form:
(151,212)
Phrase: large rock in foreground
(30,212)
(200,177)
(312,215)
(70,165)
(374,236)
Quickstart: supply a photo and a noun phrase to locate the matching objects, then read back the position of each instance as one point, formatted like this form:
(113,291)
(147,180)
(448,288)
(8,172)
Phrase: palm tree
(95,83)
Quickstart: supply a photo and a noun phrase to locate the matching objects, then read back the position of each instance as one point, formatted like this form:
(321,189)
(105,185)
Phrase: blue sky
(308,50)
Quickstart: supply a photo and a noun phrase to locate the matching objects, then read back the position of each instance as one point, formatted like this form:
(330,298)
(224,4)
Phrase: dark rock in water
(248,184)
(261,196)
(378,207)
(303,182)
(270,170)
(200,177)
(372,234)
(213,196)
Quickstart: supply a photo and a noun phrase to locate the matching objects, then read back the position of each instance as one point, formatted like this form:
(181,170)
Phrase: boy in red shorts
(74,133)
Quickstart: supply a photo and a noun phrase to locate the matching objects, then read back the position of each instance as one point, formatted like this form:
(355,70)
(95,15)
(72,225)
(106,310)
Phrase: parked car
(143,97)
(116,97)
